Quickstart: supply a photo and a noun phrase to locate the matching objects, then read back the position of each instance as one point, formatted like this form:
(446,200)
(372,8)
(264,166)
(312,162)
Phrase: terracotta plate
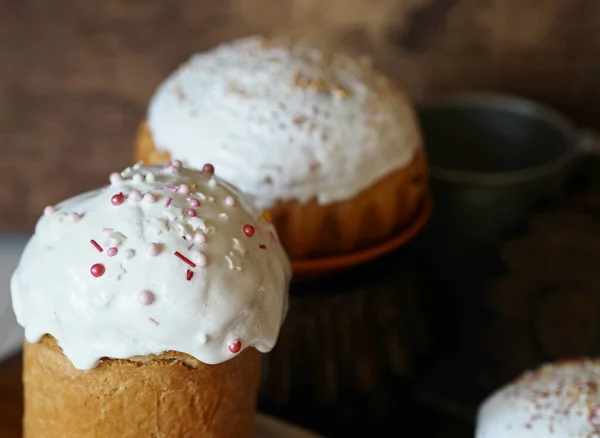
(330,265)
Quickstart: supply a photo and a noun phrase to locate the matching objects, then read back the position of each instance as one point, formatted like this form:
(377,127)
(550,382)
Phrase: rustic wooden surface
(76,77)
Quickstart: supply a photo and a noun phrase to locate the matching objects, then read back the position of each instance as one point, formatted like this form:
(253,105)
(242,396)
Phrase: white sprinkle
(115,178)
(213,182)
(146,297)
(137,165)
(149,198)
(138,178)
(230,201)
(153,250)
(201,260)
(135,196)
(129,253)
(150,177)
(223,216)
(49,210)
(74,217)
(199,238)
(184,189)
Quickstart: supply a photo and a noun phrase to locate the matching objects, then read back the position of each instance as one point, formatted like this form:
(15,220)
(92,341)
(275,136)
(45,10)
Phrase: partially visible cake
(323,141)
(559,400)
(145,304)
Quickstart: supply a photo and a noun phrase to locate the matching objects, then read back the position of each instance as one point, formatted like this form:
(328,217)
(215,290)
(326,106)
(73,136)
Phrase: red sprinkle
(235,346)
(189,274)
(262,246)
(98,247)
(185,259)
(117,199)
(208,168)
(98,270)
(248,230)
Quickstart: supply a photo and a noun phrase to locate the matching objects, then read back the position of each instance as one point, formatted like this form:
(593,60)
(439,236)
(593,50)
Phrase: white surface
(284,121)
(235,296)
(11,335)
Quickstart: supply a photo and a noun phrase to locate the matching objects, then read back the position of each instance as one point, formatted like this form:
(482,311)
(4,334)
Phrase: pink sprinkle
(235,346)
(172,188)
(146,298)
(108,229)
(112,251)
(177,164)
(115,178)
(153,321)
(149,198)
(272,236)
(199,238)
(194,203)
(184,189)
(95,244)
(190,246)
(152,250)
(98,270)
(74,217)
(135,196)
(49,210)
(201,260)
(191,212)
(230,201)
(117,199)
(168,202)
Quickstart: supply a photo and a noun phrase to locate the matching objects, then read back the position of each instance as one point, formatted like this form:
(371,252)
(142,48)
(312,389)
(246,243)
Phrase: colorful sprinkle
(50,209)
(235,346)
(74,217)
(145,297)
(184,189)
(168,202)
(153,321)
(188,275)
(191,212)
(117,199)
(267,216)
(172,188)
(98,247)
(194,203)
(152,250)
(149,198)
(112,251)
(98,270)
(201,260)
(230,201)
(115,178)
(248,230)
(190,246)
(262,246)
(185,259)
(108,229)
(135,196)
(199,238)
(208,168)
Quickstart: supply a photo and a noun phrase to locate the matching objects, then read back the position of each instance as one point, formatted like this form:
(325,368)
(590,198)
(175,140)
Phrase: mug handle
(588,142)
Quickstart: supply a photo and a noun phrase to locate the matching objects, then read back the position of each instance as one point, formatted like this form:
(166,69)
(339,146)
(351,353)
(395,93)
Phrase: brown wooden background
(75,75)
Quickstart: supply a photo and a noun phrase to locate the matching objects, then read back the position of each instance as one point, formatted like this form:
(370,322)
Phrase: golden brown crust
(165,396)
(311,230)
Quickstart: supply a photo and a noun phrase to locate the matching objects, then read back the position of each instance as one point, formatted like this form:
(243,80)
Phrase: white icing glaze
(284,121)
(241,294)
(559,400)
